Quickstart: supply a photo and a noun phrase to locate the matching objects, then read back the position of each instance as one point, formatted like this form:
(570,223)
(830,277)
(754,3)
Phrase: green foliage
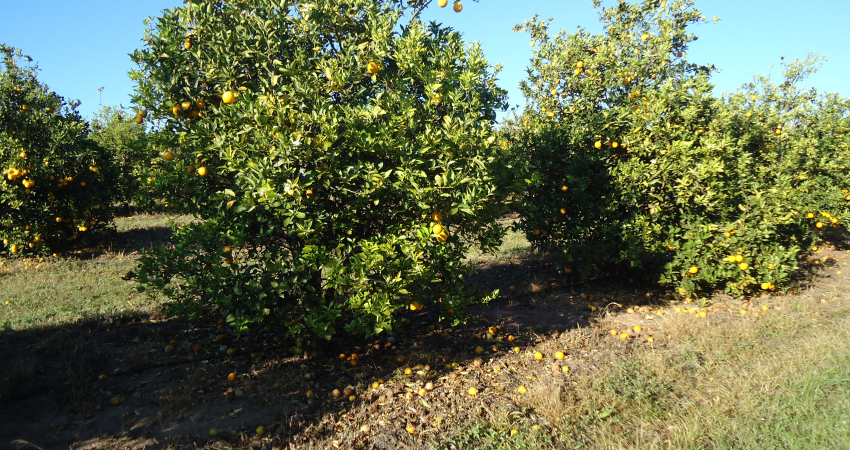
(117,132)
(319,182)
(57,184)
(625,157)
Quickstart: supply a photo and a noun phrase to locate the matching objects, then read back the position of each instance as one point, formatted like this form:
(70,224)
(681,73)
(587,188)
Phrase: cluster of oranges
(437,228)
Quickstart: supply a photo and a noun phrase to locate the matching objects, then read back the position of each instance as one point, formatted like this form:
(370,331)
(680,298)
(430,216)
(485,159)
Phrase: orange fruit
(169,348)
(175,110)
(458,7)
(168,156)
(231,377)
(538,355)
(442,3)
(373,67)
(513,288)
(522,390)
(308,193)
(228,97)
(261,430)
(202,171)
(473,391)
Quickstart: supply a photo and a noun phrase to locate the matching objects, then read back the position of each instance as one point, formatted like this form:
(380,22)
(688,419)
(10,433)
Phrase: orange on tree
(458,7)
(228,97)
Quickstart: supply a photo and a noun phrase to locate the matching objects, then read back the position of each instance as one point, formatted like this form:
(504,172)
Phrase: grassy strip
(56,291)
(779,381)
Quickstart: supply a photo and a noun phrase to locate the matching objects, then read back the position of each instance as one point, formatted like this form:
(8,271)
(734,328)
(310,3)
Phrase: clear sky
(81,46)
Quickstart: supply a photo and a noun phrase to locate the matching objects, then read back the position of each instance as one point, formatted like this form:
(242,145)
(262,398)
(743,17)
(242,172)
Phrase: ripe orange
(373,67)
(458,7)
(559,355)
(228,97)
(473,391)
(231,377)
(261,430)
(175,110)
(308,193)
(138,120)
(522,390)
(693,269)
(202,171)
(168,156)
(538,355)
(169,348)
(443,3)
(513,288)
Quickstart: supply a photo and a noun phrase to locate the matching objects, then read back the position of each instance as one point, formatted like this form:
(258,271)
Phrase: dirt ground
(148,383)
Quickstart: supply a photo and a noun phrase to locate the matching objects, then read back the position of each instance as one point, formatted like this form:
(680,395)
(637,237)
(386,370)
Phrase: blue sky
(82,46)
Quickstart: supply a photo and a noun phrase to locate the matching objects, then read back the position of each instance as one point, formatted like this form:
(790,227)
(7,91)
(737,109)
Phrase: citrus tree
(123,135)
(57,184)
(628,159)
(339,161)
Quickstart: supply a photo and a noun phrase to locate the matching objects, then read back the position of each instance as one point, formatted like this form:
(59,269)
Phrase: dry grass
(770,379)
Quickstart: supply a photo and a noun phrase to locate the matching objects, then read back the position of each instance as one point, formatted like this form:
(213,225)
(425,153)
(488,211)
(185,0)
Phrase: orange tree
(339,161)
(124,137)
(57,184)
(627,158)
(801,140)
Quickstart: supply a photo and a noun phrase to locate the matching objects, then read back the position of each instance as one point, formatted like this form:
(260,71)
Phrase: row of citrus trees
(343,160)
(624,157)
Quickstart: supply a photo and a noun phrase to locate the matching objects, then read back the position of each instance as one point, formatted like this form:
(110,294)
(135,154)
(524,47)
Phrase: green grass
(56,291)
